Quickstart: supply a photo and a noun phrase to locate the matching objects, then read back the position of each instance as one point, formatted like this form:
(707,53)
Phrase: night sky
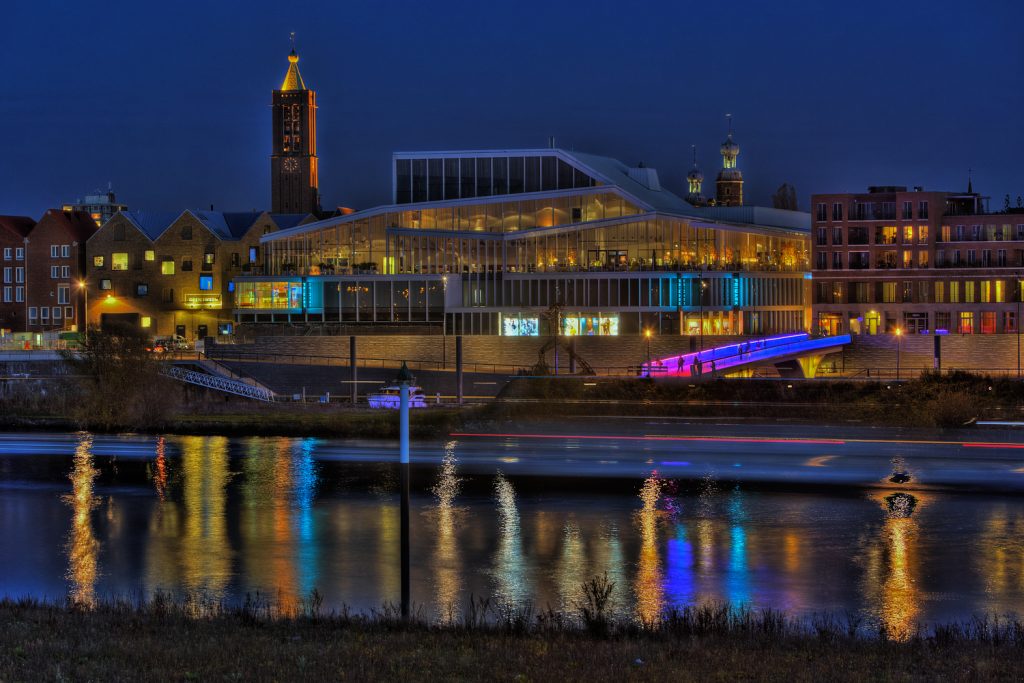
(170,101)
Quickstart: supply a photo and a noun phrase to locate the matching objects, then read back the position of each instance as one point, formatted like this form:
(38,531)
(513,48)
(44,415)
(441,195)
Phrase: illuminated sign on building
(202,301)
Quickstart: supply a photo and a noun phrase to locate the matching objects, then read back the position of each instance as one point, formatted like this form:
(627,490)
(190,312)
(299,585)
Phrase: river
(522,518)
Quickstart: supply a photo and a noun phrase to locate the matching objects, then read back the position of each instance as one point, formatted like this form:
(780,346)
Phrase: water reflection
(738,578)
(893,569)
(188,544)
(278,541)
(269,515)
(446,560)
(1000,559)
(82,546)
(160,472)
(648,583)
(509,565)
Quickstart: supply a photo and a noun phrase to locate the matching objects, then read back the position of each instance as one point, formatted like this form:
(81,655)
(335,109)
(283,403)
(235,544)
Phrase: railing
(218,383)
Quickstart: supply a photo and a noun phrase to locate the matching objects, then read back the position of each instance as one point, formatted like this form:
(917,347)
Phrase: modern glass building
(488,242)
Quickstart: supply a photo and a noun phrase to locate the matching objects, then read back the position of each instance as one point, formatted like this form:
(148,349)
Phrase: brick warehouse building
(14,231)
(55,265)
(172,273)
(915,261)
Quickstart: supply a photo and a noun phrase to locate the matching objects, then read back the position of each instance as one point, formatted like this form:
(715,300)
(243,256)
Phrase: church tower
(695,181)
(293,163)
(729,185)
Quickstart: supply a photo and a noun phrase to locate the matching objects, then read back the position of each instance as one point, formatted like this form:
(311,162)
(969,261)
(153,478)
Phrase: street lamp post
(84,286)
(647,333)
(703,286)
(899,337)
(404,380)
(444,323)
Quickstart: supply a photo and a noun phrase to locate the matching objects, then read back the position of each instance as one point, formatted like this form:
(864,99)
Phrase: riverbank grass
(196,640)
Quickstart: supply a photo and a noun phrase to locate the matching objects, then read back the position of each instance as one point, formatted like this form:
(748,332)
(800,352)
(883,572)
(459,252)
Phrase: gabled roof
(152,224)
(19,226)
(283,221)
(80,225)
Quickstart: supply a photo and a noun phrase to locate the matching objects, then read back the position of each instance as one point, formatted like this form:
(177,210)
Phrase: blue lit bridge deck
(794,355)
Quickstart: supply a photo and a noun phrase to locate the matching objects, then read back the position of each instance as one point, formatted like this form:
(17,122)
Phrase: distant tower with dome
(695,182)
(729,185)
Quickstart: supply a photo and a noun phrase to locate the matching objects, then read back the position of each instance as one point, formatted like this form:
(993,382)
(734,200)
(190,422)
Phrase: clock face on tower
(291,165)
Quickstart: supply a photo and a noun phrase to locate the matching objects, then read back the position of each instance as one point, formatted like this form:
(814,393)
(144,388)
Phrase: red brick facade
(55,267)
(14,231)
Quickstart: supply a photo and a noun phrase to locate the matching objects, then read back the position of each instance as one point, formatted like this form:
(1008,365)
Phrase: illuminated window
(889,292)
(922,234)
(119,261)
(97,261)
(940,292)
(954,292)
(205,282)
(966,325)
(147,321)
(150,255)
(969,292)
(986,292)
(1000,291)
(208,258)
(908,234)
(988,322)
(167,267)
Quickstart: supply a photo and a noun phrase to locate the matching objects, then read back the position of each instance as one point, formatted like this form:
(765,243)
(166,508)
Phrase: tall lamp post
(84,286)
(899,337)
(647,334)
(703,286)
(444,323)
(1020,293)
(404,380)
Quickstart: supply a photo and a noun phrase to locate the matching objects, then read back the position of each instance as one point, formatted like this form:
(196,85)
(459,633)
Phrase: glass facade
(432,179)
(467,247)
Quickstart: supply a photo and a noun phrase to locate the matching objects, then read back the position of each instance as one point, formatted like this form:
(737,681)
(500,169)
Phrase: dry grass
(198,640)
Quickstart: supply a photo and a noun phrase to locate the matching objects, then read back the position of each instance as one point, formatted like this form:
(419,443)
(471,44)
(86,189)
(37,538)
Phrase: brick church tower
(293,163)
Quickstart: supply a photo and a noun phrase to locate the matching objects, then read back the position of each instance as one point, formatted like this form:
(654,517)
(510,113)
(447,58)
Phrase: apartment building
(915,261)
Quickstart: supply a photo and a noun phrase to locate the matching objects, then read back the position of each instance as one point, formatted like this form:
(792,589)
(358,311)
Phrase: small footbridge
(793,355)
(212,375)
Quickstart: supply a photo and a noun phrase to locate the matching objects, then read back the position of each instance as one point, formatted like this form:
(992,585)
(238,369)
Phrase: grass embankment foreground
(930,400)
(165,641)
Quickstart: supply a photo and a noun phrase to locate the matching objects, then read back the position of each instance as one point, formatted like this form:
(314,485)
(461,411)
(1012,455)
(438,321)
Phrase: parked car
(169,344)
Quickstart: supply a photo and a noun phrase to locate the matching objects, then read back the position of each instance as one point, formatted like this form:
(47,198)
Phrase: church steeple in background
(729,184)
(293,163)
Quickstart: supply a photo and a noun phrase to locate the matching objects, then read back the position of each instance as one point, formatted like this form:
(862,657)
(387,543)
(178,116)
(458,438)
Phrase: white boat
(389,398)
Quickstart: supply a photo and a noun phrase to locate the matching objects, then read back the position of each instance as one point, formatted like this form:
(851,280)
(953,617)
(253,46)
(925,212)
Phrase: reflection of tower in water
(509,566)
(892,569)
(648,584)
(447,581)
(82,546)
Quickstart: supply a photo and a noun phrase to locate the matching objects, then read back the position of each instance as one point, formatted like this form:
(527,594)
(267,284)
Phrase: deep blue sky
(169,101)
